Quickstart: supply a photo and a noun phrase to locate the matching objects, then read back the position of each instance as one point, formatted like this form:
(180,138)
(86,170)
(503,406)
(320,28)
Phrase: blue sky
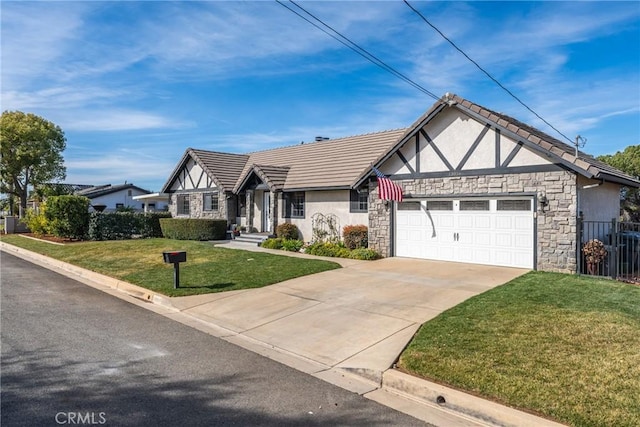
(133,84)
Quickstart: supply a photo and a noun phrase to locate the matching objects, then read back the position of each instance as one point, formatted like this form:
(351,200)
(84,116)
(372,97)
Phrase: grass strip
(564,346)
(208,268)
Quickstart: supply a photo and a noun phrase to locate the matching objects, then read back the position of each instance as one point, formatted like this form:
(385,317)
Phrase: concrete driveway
(358,318)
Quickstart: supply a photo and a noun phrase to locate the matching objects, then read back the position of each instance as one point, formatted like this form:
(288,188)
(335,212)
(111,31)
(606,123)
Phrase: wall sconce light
(543,201)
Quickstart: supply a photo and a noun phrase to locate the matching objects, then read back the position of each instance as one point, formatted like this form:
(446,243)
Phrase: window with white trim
(210,201)
(359,201)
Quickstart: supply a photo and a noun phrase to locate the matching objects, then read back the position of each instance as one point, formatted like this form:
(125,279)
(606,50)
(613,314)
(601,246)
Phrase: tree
(628,161)
(30,149)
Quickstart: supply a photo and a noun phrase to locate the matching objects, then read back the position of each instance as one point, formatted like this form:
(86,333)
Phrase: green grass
(563,346)
(208,269)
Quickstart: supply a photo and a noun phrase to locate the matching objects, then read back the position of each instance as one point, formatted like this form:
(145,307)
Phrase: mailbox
(174,257)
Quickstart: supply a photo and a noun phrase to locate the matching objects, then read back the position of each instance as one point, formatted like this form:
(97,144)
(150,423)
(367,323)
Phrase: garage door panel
(496,237)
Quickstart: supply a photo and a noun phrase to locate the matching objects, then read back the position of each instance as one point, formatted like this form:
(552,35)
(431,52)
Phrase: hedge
(125,225)
(194,228)
(287,231)
(68,216)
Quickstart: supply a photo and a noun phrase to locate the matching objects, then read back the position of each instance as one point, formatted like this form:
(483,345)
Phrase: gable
(454,144)
(191,177)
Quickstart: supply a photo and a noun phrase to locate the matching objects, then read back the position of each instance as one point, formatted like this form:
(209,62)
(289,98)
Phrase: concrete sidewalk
(345,326)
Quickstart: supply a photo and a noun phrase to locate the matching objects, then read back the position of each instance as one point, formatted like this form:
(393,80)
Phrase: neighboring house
(478,186)
(113,197)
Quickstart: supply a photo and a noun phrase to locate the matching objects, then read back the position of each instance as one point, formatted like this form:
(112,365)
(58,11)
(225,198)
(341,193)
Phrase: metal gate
(609,249)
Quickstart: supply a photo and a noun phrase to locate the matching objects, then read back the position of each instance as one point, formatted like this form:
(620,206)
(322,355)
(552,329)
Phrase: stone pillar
(273,205)
(250,210)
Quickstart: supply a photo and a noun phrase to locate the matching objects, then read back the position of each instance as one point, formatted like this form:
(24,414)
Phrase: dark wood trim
(200,179)
(512,154)
(473,147)
(498,138)
(417,144)
(435,148)
(545,154)
(478,172)
(405,161)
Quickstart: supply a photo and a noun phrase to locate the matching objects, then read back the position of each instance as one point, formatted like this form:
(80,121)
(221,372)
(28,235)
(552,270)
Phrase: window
(151,206)
(359,201)
(119,205)
(293,205)
(440,205)
(514,205)
(242,209)
(182,202)
(409,206)
(474,205)
(210,201)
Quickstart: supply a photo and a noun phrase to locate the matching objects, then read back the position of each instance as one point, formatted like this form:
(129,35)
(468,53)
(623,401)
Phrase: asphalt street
(74,355)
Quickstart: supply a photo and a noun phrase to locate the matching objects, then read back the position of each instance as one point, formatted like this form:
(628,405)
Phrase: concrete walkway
(358,318)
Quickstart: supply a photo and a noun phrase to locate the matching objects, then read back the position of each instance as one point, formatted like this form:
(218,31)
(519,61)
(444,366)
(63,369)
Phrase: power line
(355,47)
(484,71)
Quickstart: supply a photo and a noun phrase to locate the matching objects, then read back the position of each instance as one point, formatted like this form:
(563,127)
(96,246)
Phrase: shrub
(194,228)
(125,225)
(327,249)
(355,236)
(272,243)
(68,216)
(292,245)
(364,254)
(287,231)
(37,222)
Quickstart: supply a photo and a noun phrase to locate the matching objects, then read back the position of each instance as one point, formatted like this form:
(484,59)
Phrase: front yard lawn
(208,269)
(563,346)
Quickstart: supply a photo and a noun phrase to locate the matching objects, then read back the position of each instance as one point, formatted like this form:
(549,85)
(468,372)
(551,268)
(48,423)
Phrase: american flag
(387,189)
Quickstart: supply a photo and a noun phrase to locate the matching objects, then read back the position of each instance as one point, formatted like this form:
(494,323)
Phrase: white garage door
(491,231)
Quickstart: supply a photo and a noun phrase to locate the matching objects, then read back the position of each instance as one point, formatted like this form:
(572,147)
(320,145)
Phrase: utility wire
(355,47)
(484,71)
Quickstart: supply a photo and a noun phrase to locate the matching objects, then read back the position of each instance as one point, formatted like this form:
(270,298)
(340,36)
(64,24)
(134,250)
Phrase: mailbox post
(175,258)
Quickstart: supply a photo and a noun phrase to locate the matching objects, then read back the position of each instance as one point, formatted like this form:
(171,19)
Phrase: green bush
(287,231)
(355,236)
(193,228)
(272,243)
(292,245)
(68,216)
(37,222)
(125,225)
(364,254)
(327,249)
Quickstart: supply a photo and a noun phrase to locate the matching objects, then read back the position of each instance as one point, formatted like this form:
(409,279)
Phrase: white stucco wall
(335,202)
(123,196)
(600,203)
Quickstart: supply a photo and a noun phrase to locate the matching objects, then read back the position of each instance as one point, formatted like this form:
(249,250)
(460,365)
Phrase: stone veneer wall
(196,203)
(556,227)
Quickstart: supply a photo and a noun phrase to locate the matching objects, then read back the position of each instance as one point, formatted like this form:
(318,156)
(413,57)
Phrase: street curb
(91,278)
(451,400)
(457,409)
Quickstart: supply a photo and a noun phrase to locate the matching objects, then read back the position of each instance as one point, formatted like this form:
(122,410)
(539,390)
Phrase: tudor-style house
(478,186)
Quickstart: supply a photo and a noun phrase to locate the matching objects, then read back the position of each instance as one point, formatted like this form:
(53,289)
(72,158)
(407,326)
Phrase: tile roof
(583,163)
(563,153)
(346,162)
(333,163)
(274,176)
(226,168)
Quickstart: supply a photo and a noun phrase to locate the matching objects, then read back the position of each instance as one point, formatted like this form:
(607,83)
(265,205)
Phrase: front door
(266,212)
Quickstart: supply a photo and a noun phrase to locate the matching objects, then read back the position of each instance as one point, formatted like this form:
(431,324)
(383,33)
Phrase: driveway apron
(358,318)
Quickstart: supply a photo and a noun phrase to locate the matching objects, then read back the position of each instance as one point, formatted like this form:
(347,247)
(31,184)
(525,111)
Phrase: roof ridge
(326,140)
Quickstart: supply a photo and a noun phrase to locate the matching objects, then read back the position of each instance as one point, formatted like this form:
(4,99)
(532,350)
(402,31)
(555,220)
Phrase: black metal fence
(609,249)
